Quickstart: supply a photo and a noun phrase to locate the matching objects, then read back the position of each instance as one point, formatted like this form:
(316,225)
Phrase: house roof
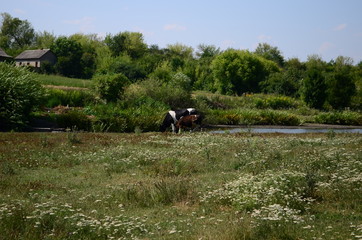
(32,54)
(3,54)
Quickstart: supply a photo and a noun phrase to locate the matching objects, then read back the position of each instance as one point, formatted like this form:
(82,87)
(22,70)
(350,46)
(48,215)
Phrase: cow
(189,122)
(173,116)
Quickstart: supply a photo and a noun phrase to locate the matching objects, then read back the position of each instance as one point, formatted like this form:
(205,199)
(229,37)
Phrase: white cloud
(325,47)
(19,11)
(264,38)
(85,24)
(340,27)
(174,27)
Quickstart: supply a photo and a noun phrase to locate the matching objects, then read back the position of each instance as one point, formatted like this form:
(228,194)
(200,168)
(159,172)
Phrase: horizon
(298,29)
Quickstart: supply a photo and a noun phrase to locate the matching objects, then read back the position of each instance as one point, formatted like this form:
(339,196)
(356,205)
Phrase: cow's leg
(173,128)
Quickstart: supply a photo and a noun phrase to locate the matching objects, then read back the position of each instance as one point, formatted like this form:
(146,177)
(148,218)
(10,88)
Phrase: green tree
(207,51)
(237,71)
(130,43)
(20,94)
(110,86)
(341,86)
(314,91)
(89,43)
(271,53)
(15,33)
(204,79)
(286,82)
(45,39)
(69,53)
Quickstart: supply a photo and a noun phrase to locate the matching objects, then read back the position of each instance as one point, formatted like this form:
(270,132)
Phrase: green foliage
(314,85)
(167,94)
(71,98)
(287,82)
(238,72)
(15,33)
(342,118)
(271,53)
(124,64)
(110,87)
(130,43)
(180,80)
(341,86)
(145,115)
(251,117)
(69,54)
(63,81)
(275,102)
(180,186)
(74,120)
(20,94)
(108,118)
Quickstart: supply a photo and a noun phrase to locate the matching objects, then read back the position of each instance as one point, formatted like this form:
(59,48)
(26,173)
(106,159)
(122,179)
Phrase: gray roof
(32,54)
(3,54)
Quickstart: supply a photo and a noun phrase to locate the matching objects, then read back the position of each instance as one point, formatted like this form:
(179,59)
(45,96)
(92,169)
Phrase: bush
(72,98)
(275,102)
(110,87)
(20,94)
(343,118)
(173,97)
(108,118)
(251,117)
(74,120)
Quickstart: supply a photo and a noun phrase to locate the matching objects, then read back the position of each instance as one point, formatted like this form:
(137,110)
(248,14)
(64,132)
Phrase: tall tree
(45,39)
(314,84)
(271,53)
(341,86)
(69,53)
(15,33)
(238,71)
(207,51)
(286,82)
(130,43)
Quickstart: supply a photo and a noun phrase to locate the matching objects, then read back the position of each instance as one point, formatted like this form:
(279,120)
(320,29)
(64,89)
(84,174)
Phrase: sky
(298,28)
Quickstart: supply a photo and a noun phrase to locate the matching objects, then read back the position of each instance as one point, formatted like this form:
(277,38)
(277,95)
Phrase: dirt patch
(65,88)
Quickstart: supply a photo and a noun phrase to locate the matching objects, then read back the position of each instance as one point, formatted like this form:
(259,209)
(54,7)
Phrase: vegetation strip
(190,186)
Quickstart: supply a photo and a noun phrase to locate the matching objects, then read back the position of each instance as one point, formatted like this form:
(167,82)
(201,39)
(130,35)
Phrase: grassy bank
(189,186)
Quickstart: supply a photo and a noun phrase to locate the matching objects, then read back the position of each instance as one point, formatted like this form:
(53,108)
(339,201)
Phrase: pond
(288,130)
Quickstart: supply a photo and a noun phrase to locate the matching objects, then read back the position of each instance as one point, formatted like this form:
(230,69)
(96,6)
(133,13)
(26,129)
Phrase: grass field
(63,81)
(180,186)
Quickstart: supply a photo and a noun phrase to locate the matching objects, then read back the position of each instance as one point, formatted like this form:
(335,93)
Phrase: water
(288,130)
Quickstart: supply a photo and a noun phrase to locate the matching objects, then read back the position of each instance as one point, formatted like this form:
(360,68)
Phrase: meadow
(78,185)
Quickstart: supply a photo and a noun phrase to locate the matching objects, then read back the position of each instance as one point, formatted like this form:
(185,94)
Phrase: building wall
(49,57)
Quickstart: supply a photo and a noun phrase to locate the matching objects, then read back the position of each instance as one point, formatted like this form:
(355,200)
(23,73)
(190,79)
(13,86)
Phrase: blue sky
(299,28)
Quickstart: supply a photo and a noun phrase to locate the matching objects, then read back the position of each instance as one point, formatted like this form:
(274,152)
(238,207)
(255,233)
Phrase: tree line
(124,58)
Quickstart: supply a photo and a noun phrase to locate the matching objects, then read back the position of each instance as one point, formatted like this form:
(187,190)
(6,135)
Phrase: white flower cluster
(49,214)
(268,196)
(277,213)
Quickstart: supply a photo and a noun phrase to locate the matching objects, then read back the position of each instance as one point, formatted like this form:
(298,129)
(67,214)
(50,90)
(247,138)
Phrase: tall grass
(188,186)
(63,81)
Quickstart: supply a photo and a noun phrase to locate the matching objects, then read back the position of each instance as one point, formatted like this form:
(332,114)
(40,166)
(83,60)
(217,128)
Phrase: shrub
(275,102)
(20,94)
(72,98)
(74,119)
(173,97)
(251,117)
(343,118)
(110,87)
(108,117)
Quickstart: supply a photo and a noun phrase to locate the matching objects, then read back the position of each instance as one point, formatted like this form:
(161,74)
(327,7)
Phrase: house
(4,57)
(35,58)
